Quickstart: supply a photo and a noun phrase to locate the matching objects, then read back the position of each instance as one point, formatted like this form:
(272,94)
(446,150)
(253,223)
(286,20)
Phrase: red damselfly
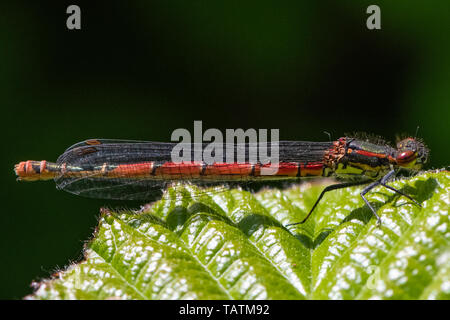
(139,170)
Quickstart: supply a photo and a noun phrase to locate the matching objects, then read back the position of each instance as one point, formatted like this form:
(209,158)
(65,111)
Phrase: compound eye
(406,157)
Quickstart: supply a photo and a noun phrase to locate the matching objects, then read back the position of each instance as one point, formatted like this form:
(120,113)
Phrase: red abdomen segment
(43,170)
(216,171)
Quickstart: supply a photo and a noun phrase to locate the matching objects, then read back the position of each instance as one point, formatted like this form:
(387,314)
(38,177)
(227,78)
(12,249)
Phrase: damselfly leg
(383,182)
(328,188)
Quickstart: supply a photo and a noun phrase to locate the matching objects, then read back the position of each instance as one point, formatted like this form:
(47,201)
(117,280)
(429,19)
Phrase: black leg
(367,189)
(383,182)
(386,178)
(374,184)
(328,188)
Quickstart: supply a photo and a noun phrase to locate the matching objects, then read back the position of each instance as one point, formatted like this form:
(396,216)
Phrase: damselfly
(138,170)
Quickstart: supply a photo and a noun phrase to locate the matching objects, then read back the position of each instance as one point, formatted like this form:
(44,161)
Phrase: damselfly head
(411,153)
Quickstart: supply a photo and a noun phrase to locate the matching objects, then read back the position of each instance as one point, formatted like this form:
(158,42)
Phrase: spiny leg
(374,184)
(386,178)
(367,189)
(328,188)
(383,182)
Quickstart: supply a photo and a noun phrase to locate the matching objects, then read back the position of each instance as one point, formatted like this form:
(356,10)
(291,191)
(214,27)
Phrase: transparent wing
(90,156)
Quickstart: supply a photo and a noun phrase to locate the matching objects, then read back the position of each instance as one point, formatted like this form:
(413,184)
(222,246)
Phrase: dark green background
(140,69)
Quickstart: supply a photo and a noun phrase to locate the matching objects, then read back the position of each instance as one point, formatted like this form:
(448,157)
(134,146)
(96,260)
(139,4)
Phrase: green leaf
(233,245)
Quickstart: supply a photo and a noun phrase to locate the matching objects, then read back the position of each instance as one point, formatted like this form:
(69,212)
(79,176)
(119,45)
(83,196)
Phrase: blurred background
(140,69)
